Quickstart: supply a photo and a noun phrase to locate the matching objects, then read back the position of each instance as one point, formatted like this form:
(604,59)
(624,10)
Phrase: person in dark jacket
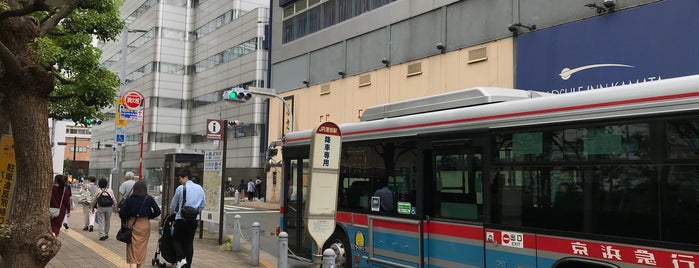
(137,210)
(242,187)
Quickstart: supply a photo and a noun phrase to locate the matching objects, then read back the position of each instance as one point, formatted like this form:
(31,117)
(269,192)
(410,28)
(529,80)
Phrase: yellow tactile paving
(97,248)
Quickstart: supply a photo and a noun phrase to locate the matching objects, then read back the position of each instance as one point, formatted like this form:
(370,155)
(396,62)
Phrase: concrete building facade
(181,55)
(332,59)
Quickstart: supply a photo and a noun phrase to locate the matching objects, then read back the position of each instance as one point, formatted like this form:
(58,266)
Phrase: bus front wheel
(339,244)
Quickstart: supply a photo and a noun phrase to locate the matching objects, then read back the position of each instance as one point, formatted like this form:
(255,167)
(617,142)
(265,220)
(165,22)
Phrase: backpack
(85,198)
(104,199)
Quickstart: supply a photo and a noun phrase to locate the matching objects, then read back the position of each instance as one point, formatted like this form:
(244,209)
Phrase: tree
(48,67)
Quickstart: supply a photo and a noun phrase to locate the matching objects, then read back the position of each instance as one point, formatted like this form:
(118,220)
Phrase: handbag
(54,212)
(187,212)
(124,234)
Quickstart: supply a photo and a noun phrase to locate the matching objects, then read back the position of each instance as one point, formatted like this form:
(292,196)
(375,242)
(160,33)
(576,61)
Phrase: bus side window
(358,195)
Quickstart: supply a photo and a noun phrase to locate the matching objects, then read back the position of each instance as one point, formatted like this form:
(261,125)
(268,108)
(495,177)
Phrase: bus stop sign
(326,143)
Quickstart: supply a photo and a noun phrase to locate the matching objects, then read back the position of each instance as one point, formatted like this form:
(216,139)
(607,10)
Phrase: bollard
(283,261)
(236,233)
(328,258)
(236,196)
(255,250)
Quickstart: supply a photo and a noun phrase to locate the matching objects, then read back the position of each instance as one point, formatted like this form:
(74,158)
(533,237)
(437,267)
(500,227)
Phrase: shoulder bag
(121,202)
(187,212)
(125,232)
(54,212)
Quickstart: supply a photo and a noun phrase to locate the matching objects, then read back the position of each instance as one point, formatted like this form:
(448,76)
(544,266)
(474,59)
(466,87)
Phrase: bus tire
(340,245)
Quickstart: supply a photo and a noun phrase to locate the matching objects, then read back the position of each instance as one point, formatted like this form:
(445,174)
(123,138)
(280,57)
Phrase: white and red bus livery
(492,177)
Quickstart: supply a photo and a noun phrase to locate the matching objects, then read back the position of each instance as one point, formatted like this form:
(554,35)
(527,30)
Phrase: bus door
(453,230)
(295,186)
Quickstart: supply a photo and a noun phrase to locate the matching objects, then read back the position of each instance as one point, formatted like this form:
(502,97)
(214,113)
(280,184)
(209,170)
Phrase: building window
(250,130)
(79,149)
(308,16)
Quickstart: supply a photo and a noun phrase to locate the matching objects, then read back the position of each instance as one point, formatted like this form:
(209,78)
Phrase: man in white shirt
(188,194)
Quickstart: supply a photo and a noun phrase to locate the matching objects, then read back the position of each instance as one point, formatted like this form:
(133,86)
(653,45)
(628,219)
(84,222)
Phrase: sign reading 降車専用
(326,146)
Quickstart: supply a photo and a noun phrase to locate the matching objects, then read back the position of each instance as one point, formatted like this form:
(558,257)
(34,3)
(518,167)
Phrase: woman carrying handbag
(59,199)
(136,211)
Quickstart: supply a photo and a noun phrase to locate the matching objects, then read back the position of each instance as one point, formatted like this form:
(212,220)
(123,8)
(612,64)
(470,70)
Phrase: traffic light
(234,123)
(237,94)
(91,121)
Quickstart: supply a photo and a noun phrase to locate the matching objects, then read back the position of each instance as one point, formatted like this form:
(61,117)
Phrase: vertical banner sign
(326,146)
(286,126)
(7,175)
(212,185)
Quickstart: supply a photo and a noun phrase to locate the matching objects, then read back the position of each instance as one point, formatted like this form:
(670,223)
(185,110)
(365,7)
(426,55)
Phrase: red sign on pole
(133,99)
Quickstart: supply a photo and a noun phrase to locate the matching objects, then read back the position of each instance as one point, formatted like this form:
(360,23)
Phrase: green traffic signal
(237,94)
(92,121)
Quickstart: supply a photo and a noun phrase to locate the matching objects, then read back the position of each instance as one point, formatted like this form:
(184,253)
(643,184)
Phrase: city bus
(513,178)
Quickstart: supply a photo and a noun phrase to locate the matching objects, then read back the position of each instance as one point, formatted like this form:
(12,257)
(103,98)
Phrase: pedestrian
(88,190)
(70,208)
(251,190)
(59,199)
(136,211)
(105,203)
(258,188)
(242,187)
(188,195)
(126,187)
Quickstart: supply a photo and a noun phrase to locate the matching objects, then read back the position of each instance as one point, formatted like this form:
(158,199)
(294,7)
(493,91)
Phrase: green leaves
(83,87)
(45,50)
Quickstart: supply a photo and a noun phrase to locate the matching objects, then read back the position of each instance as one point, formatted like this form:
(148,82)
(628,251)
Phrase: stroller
(165,247)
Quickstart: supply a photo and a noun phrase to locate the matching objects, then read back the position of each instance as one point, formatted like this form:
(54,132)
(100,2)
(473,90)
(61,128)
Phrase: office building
(181,56)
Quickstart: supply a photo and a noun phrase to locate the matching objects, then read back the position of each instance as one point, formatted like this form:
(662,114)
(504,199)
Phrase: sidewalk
(254,204)
(84,249)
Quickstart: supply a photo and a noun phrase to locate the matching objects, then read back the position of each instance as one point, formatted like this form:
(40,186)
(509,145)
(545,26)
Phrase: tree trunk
(25,100)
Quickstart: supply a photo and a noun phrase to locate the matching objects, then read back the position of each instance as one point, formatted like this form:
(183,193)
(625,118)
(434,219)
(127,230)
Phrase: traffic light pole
(258,91)
(223,183)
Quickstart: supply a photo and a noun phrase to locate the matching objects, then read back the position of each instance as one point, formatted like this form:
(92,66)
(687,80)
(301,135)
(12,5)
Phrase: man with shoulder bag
(187,203)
